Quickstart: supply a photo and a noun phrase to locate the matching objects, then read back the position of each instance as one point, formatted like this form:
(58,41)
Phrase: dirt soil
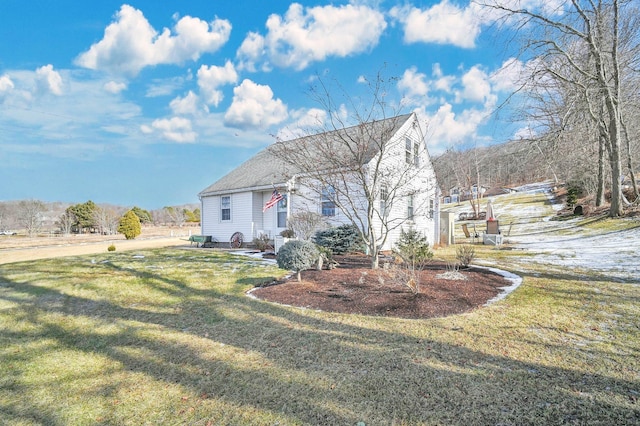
(355,288)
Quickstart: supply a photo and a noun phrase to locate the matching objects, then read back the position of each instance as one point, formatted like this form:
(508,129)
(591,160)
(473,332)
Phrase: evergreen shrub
(340,240)
(297,256)
(130,225)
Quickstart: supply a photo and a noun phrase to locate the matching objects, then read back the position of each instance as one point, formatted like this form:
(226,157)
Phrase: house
(235,203)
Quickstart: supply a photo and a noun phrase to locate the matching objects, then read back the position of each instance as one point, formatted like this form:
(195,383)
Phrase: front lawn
(170,337)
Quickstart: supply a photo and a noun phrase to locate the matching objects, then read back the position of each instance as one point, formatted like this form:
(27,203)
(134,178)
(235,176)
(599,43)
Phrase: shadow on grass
(305,366)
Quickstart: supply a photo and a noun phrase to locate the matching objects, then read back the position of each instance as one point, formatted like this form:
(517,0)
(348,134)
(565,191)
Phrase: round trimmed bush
(297,256)
(130,225)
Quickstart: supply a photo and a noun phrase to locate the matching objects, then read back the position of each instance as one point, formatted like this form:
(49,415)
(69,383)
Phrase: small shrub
(412,252)
(111,248)
(413,247)
(342,239)
(305,224)
(465,254)
(297,256)
(262,242)
(573,192)
(287,233)
(326,257)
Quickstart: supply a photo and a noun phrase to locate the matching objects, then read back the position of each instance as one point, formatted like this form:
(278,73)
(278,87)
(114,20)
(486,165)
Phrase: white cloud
(85,112)
(524,133)
(254,106)
(446,127)
(508,76)
(175,129)
(443,23)
(306,121)
(115,86)
(476,85)
(49,80)
(442,82)
(131,43)
(251,50)
(210,78)
(5,84)
(186,105)
(413,84)
(166,86)
(305,35)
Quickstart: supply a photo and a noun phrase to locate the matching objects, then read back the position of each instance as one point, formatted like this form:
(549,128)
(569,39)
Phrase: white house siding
(241,216)
(247,216)
(210,212)
(425,178)
(257,218)
(307,199)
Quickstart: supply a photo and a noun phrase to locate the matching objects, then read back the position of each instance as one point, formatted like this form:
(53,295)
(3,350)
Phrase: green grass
(172,338)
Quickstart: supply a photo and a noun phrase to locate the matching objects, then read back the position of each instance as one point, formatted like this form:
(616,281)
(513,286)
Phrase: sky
(147,103)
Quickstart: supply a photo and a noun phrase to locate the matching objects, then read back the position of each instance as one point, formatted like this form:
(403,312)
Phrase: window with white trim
(410,207)
(328,203)
(412,152)
(384,197)
(282,212)
(225,208)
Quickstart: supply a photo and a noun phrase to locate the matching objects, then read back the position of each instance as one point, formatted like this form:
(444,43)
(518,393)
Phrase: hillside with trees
(579,92)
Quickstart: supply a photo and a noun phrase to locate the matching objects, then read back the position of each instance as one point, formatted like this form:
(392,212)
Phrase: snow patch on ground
(516,280)
(564,244)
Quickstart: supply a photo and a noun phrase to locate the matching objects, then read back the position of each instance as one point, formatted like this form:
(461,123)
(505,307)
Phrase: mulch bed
(355,288)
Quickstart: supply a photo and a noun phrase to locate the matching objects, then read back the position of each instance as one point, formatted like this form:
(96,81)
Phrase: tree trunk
(601,175)
(615,158)
(374,251)
(632,175)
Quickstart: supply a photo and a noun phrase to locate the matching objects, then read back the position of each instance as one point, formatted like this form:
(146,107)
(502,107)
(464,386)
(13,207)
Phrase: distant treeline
(36,216)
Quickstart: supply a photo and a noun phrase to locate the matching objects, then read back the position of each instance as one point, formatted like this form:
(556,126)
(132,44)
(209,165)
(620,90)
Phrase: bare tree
(66,221)
(6,219)
(589,47)
(361,168)
(305,224)
(175,215)
(107,218)
(30,215)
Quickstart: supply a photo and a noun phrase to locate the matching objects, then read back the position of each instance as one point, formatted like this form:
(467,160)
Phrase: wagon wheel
(236,240)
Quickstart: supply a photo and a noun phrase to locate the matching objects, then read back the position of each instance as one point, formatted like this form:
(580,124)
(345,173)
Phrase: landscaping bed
(355,288)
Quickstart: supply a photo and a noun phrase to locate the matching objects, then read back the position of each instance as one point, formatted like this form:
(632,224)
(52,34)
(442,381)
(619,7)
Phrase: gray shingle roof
(265,169)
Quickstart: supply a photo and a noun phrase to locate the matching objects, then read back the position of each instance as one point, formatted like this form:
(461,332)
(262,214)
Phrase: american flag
(275,197)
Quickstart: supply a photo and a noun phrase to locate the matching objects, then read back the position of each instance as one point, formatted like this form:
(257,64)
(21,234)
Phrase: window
(412,152)
(410,207)
(225,207)
(282,212)
(328,202)
(384,197)
(431,208)
(408,147)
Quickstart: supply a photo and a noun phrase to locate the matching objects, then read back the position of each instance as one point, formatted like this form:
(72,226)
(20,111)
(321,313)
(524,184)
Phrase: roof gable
(266,169)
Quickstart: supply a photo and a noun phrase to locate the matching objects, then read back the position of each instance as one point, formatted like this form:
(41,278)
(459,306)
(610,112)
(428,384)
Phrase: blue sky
(146,103)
